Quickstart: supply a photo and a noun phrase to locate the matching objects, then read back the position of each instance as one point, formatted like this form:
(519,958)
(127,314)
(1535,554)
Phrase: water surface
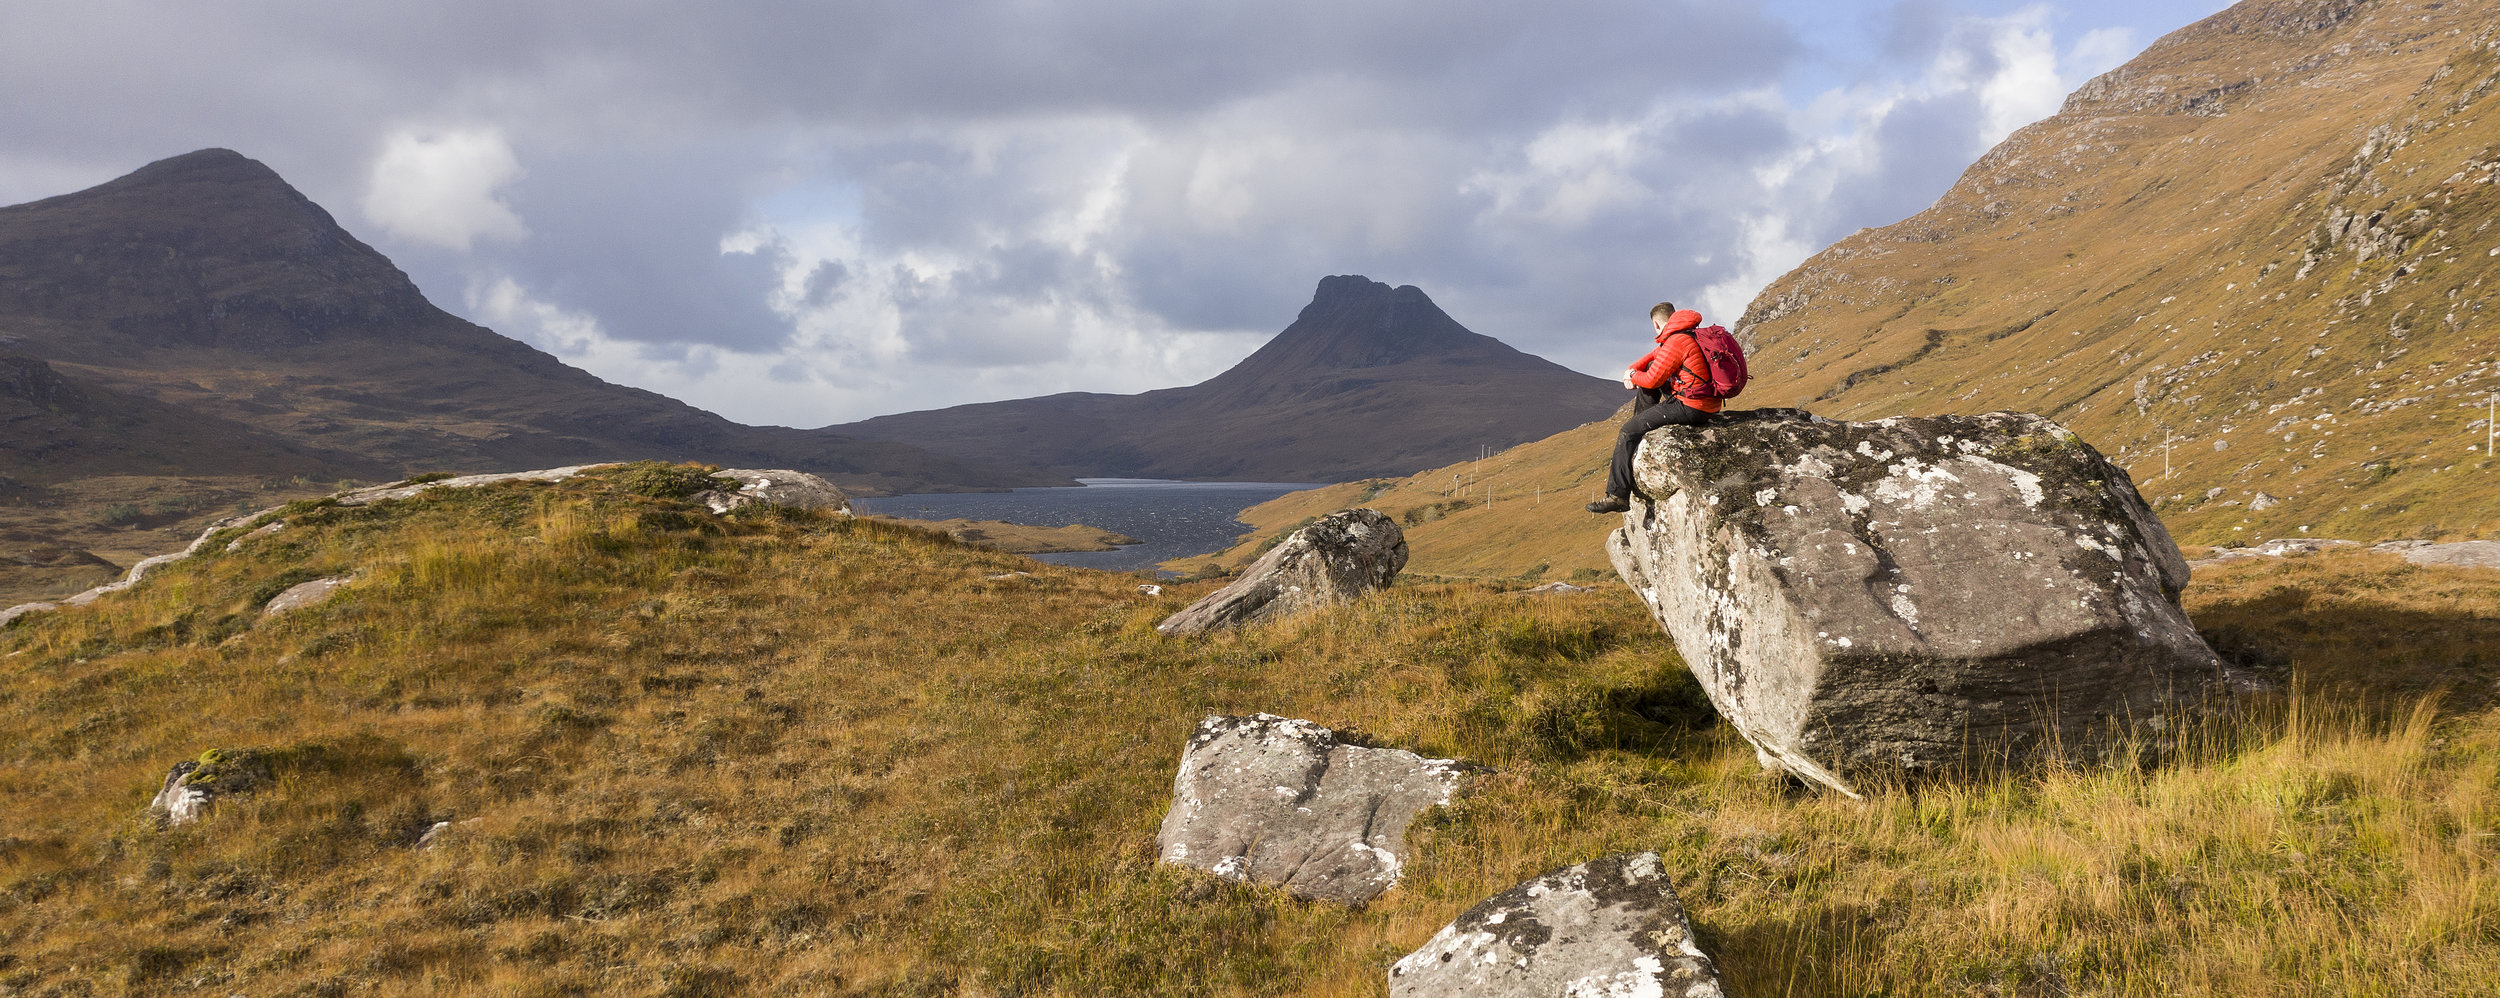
(1172,519)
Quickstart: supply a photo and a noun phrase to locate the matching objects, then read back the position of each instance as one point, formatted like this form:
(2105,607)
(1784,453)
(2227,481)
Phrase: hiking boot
(1610,504)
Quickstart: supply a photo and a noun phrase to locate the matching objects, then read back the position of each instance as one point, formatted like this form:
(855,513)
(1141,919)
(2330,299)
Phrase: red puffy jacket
(1679,358)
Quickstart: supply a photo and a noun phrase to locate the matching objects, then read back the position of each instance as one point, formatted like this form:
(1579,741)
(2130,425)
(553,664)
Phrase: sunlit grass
(788,753)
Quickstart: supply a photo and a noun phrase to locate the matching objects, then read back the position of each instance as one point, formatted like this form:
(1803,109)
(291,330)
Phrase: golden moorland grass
(787,753)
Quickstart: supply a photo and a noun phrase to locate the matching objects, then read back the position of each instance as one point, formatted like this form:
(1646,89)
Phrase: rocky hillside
(2256,255)
(2265,242)
(207,284)
(1369,380)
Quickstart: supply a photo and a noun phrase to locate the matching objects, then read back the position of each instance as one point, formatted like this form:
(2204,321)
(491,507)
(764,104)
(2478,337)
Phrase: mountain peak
(212,165)
(206,248)
(1354,322)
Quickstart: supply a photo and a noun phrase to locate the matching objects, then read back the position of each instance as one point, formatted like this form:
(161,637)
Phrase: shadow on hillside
(2366,645)
(1808,956)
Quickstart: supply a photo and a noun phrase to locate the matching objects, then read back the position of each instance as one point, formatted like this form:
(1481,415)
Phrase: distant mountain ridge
(206,284)
(1369,380)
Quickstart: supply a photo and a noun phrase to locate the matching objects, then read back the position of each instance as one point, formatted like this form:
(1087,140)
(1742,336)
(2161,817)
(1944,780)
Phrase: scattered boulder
(1556,589)
(196,784)
(1277,801)
(1914,595)
(306,594)
(1609,926)
(779,487)
(1335,559)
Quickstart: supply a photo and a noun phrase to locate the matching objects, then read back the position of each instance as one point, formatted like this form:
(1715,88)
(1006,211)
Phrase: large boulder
(1609,926)
(1277,801)
(776,486)
(1335,559)
(1915,595)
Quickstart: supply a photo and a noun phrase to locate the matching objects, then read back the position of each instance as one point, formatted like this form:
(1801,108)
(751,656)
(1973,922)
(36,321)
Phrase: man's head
(1659,312)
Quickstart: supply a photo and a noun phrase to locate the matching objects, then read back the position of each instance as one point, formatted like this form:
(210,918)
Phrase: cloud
(799,212)
(439,188)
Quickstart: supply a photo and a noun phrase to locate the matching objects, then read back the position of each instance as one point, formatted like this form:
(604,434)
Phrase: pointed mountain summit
(244,329)
(1369,380)
(206,249)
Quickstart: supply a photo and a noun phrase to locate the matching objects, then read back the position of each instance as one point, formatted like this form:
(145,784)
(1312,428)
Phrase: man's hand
(1627,380)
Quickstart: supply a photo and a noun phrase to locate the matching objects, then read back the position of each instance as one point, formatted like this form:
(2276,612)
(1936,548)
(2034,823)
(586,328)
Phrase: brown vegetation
(782,753)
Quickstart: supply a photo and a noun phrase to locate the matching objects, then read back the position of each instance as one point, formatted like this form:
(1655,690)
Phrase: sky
(802,212)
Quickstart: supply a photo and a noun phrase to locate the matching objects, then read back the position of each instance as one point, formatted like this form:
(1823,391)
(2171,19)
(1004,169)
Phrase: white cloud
(440,188)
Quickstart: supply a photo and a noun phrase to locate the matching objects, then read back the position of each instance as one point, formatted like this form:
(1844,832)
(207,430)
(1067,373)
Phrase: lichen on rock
(1915,595)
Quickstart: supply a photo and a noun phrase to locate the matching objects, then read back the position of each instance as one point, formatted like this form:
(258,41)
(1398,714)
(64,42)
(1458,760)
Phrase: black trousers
(1644,419)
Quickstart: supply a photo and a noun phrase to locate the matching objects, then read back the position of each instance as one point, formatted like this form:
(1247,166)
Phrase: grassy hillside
(791,754)
(2256,256)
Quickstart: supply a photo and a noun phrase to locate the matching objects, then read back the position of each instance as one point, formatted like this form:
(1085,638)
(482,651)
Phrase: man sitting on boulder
(1677,369)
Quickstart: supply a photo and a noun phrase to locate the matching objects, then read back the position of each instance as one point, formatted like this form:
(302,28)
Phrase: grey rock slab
(307,594)
(1914,595)
(263,530)
(779,487)
(1335,559)
(1276,801)
(1608,927)
(2465,554)
(403,490)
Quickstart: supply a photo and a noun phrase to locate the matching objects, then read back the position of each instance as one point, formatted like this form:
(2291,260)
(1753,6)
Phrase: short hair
(1662,310)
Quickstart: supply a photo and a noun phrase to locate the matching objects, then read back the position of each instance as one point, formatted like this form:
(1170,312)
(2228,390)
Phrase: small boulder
(193,785)
(1609,926)
(1915,595)
(1277,801)
(1335,559)
(779,487)
(307,594)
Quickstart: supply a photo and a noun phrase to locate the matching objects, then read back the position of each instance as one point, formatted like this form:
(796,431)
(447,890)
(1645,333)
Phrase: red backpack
(1726,360)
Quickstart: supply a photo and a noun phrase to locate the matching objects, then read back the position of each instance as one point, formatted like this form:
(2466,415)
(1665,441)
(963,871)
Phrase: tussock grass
(786,753)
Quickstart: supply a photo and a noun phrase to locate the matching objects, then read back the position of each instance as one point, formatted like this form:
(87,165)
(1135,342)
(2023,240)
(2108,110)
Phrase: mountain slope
(1368,380)
(2267,240)
(205,282)
(2264,242)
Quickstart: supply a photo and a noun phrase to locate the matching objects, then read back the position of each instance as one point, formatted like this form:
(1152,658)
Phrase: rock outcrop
(796,489)
(1609,926)
(1335,559)
(193,785)
(1914,595)
(1277,801)
(778,487)
(306,594)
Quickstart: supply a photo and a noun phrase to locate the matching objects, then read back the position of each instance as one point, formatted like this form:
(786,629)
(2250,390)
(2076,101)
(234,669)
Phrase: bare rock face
(307,594)
(195,784)
(1277,801)
(1917,595)
(779,487)
(1609,926)
(1334,560)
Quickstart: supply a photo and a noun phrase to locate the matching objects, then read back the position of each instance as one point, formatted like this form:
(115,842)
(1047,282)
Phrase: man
(1678,370)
